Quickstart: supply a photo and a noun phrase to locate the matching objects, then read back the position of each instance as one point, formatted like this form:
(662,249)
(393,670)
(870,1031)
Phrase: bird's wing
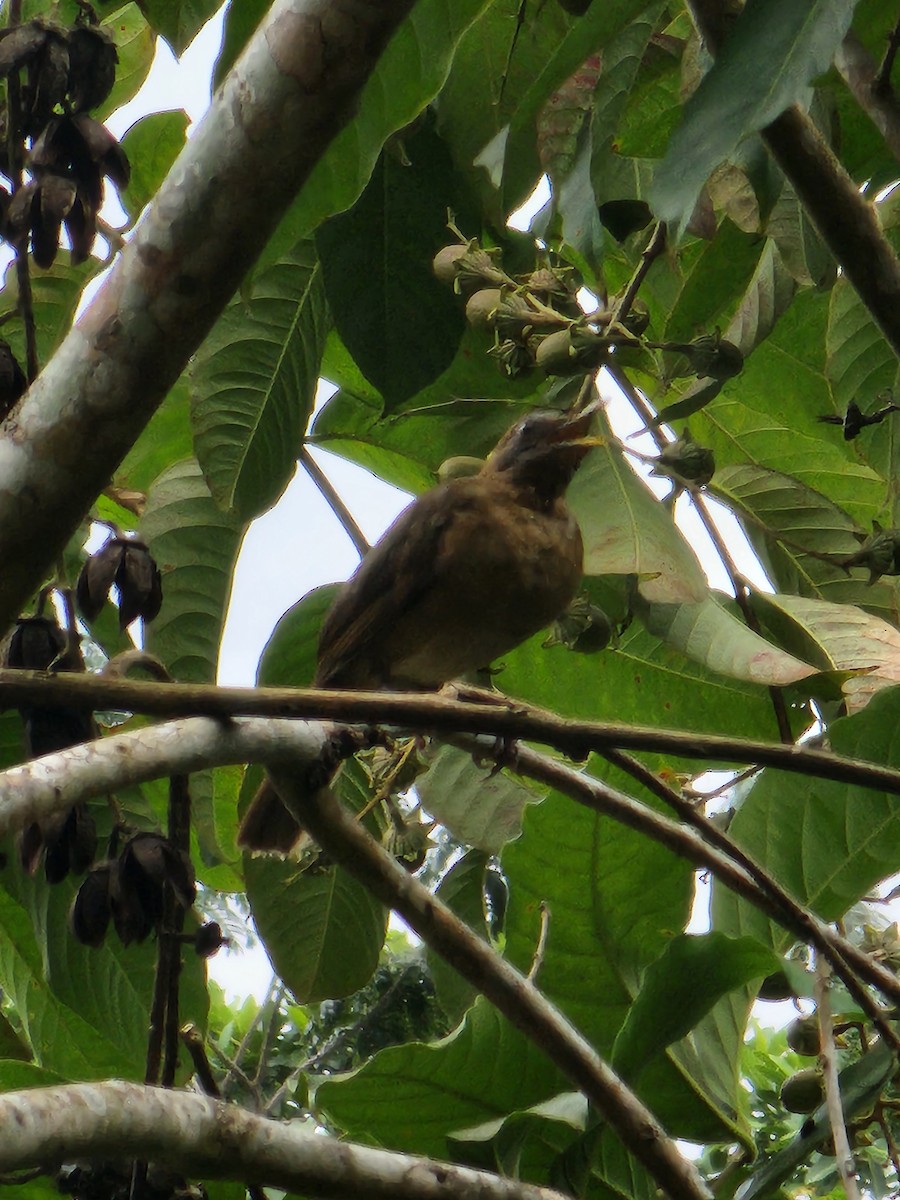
(394,575)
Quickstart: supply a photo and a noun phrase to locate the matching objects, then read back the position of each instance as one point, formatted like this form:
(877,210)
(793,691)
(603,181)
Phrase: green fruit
(803,1036)
(775,987)
(803,1092)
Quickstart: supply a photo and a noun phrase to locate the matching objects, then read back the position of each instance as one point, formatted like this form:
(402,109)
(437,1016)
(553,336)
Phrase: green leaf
(152,145)
(626,531)
(289,657)
(838,637)
(164,442)
(462,890)
(254,383)
(136,44)
(408,76)
(681,987)
(479,805)
(587,35)
(55,296)
(613,901)
(715,283)
(195,546)
(774,50)
(240,22)
(719,640)
(178,21)
(400,324)
(321,929)
(827,843)
(411,1097)
(768,415)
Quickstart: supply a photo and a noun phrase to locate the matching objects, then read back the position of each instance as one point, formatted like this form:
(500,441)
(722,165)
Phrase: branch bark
(349,844)
(504,717)
(207,1138)
(291,92)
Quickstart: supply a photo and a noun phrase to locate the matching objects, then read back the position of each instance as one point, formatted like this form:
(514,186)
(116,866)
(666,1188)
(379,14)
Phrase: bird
(468,571)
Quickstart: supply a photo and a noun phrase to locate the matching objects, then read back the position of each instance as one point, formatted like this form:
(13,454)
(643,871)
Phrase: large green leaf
(480,806)
(827,843)
(768,415)
(152,145)
(322,929)
(408,76)
(400,324)
(774,50)
(680,988)
(613,901)
(719,640)
(411,1097)
(136,44)
(839,637)
(597,26)
(54,294)
(195,546)
(254,382)
(626,531)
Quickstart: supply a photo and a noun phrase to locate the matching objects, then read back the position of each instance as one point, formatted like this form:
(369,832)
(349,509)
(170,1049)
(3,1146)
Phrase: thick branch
(291,92)
(845,219)
(209,1139)
(431,714)
(347,843)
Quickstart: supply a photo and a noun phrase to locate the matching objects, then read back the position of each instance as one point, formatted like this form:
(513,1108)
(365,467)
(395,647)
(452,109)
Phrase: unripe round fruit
(803,1092)
(803,1036)
(481,309)
(445,262)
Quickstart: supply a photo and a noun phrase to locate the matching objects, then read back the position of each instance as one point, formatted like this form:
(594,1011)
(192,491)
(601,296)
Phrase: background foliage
(620,104)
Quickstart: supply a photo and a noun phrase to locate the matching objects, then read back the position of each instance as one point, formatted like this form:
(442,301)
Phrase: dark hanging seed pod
(90,912)
(209,939)
(35,644)
(92,67)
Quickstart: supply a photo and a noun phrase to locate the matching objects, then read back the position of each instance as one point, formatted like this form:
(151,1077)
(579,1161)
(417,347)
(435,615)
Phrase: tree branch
(348,843)
(207,1138)
(293,89)
(427,713)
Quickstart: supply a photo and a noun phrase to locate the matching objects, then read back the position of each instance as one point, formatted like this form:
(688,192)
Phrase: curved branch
(504,717)
(207,1138)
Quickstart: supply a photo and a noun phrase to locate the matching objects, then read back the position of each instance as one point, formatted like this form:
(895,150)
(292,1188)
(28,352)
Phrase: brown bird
(468,571)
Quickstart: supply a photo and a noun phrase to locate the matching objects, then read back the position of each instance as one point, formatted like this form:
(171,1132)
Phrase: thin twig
(272,1025)
(541,948)
(335,503)
(828,1057)
(234,1068)
(196,1048)
(654,248)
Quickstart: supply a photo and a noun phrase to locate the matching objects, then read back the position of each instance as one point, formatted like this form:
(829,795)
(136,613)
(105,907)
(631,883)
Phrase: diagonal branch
(292,90)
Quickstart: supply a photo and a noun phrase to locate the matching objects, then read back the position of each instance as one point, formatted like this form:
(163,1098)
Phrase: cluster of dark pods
(128,565)
(108,1180)
(63,74)
(131,891)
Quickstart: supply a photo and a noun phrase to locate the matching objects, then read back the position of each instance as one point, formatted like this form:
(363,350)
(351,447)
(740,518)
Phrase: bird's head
(544,449)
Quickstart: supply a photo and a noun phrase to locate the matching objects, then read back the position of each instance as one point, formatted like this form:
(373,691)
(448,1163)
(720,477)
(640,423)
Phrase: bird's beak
(574,432)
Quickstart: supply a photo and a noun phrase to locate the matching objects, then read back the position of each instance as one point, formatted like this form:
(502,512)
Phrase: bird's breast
(505,569)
